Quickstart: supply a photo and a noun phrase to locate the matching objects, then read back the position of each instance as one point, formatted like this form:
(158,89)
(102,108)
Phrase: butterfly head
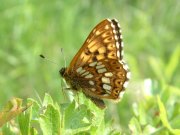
(62,71)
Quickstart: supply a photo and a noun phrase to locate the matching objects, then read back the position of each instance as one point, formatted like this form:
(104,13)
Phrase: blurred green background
(150,31)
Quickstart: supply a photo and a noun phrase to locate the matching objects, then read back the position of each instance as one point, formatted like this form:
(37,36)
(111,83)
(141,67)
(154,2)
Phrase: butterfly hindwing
(104,79)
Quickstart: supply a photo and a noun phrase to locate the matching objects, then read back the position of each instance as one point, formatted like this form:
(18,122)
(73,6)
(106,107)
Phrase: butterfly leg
(65,88)
(74,92)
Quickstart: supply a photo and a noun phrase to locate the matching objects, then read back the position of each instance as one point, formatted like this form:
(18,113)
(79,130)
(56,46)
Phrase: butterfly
(98,69)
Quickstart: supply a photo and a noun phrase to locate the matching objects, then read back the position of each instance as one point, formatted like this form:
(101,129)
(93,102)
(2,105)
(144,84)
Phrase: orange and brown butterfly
(98,69)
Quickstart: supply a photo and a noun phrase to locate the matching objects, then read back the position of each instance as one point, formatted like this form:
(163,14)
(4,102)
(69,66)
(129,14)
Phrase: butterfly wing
(98,67)
(101,37)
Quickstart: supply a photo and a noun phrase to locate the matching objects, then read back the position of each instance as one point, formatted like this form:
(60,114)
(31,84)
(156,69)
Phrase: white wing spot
(89,76)
(105,80)
(120,31)
(102,70)
(100,66)
(116,38)
(93,64)
(125,84)
(112,25)
(86,73)
(117,45)
(125,66)
(122,44)
(109,19)
(114,31)
(106,87)
(118,25)
(91,82)
(120,61)
(108,91)
(79,69)
(122,53)
(108,74)
(99,63)
(121,37)
(115,20)
(128,75)
(118,53)
(82,71)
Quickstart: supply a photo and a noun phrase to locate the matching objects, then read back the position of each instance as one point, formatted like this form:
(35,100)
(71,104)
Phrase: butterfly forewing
(101,41)
(98,68)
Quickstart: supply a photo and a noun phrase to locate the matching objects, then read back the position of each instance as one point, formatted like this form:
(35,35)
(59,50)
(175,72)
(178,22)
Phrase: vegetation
(151,104)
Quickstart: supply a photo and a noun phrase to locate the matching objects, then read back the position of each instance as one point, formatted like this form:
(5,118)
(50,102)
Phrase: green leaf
(50,121)
(24,121)
(33,131)
(108,130)
(96,115)
(148,130)
(173,63)
(157,67)
(163,117)
(142,115)
(135,127)
(6,130)
(47,100)
(77,119)
(174,90)
(35,113)
(35,108)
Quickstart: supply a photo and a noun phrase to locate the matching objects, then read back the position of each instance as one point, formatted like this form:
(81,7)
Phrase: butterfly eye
(62,71)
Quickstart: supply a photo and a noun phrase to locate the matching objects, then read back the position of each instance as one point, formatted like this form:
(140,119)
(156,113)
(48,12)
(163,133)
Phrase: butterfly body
(98,69)
(75,82)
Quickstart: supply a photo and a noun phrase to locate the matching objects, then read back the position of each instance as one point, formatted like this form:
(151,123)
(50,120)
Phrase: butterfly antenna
(63,57)
(43,57)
